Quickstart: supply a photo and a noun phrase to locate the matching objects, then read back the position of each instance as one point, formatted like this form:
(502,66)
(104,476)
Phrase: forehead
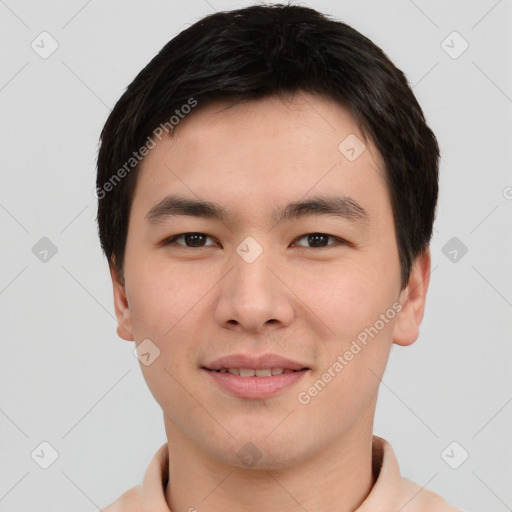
(308,123)
(257,153)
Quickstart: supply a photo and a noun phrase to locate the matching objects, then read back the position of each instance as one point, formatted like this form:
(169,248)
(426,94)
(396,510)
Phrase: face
(291,265)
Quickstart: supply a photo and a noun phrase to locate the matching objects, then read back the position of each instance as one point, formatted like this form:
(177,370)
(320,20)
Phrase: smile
(254,384)
(249,372)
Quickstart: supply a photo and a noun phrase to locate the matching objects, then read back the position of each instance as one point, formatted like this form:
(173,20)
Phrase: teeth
(249,372)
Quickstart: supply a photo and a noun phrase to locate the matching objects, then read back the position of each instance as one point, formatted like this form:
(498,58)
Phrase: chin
(260,452)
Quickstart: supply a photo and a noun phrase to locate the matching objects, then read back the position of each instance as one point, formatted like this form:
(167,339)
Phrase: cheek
(346,383)
(347,298)
(358,309)
(164,306)
(163,298)
(169,306)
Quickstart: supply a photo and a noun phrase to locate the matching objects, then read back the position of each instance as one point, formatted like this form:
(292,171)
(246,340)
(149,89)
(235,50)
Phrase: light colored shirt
(390,493)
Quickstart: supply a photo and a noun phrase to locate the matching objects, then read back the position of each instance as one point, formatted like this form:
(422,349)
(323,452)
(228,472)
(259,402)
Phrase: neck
(335,479)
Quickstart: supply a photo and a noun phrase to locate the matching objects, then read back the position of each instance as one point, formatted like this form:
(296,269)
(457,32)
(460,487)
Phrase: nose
(254,296)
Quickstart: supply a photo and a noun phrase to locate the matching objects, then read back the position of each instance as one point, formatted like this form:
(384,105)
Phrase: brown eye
(190,240)
(319,240)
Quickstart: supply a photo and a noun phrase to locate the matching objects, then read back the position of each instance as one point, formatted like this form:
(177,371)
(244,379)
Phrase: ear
(122,308)
(412,298)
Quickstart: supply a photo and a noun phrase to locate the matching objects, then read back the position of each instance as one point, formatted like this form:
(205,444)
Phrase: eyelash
(341,241)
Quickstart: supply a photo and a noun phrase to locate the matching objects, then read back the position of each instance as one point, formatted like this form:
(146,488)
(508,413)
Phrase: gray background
(65,377)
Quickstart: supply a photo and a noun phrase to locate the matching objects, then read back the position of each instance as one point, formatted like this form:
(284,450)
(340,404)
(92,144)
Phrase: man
(267,188)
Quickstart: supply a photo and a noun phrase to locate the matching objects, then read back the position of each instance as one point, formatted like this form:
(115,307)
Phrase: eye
(319,240)
(191,240)
(197,240)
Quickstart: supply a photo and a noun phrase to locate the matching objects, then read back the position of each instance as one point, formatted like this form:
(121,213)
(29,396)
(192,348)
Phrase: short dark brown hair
(260,51)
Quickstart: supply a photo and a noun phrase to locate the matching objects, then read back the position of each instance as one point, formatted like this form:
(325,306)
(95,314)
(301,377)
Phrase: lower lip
(255,387)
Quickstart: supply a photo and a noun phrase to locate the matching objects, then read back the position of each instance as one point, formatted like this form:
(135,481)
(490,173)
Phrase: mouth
(251,372)
(250,377)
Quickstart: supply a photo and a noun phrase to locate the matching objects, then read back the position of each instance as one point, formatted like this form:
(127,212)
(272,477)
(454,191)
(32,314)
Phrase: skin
(302,302)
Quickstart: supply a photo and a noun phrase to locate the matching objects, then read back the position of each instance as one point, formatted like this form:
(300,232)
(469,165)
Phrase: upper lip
(255,362)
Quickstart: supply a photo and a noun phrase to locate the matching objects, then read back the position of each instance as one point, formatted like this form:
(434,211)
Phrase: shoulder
(150,495)
(419,499)
(395,491)
(129,501)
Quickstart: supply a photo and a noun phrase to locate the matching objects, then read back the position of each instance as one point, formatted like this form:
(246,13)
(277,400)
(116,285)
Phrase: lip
(255,387)
(255,362)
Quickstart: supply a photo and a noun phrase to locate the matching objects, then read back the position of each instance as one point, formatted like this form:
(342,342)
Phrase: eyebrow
(343,207)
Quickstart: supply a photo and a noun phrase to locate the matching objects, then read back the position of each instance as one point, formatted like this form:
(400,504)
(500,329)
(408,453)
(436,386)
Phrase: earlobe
(412,298)
(122,308)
